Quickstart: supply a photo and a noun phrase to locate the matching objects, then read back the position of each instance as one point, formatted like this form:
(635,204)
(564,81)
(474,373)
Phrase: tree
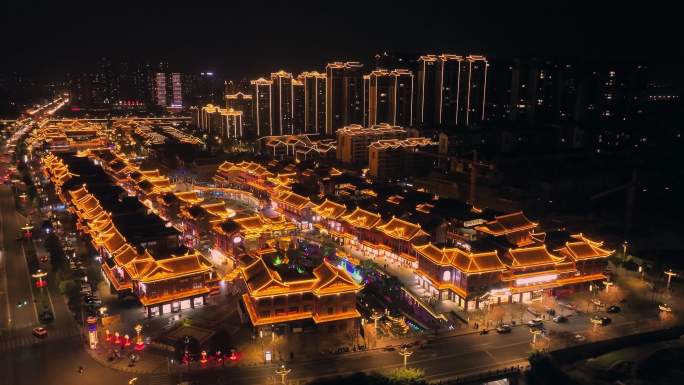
(407,376)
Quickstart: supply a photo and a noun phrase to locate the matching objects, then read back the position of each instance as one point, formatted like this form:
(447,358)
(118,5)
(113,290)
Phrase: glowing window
(446,276)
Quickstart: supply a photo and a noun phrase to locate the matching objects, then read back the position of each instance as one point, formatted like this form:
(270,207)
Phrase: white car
(665,307)
(579,338)
(535,322)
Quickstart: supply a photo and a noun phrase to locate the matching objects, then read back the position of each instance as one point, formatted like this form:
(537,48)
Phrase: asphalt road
(25,359)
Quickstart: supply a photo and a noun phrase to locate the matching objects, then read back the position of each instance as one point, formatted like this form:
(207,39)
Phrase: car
(534,323)
(40,332)
(600,320)
(613,309)
(560,319)
(665,307)
(579,338)
(505,328)
(46,316)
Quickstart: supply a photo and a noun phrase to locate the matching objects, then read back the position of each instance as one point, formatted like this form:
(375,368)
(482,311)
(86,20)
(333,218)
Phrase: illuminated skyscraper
(314,101)
(344,95)
(426,92)
(298,106)
(261,104)
(448,87)
(461,87)
(379,98)
(282,103)
(473,91)
(168,90)
(243,103)
(390,97)
(401,106)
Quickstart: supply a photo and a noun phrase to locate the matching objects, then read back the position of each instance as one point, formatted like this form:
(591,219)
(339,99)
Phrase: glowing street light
(535,332)
(139,345)
(375,317)
(283,372)
(39,275)
(404,352)
(670,274)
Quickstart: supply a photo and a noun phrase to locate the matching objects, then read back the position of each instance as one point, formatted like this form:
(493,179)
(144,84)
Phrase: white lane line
(4,269)
(28,274)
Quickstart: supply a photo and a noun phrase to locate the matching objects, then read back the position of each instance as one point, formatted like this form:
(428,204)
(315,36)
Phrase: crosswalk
(26,339)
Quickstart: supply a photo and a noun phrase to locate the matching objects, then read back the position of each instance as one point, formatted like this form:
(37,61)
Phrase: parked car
(613,309)
(600,320)
(40,332)
(537,322)
(560,319)
(579,338)
(665,307)
(505,328)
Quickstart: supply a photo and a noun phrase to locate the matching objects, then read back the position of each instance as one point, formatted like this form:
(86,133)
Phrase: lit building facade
(314,101)
(262,94)
(282,103)
(344,95)
(426,92)
(243,103)
(353,141)
(277,295)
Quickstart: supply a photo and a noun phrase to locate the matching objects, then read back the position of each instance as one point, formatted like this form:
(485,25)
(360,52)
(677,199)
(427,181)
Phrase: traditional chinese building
(234,236)
(450,273)
(278,294)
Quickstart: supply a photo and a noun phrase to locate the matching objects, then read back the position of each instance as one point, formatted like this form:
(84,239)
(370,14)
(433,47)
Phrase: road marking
(491,355)
(52,306)
(28,273)
(4,267)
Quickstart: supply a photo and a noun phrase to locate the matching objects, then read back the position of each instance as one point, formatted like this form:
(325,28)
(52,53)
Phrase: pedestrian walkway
(8,344)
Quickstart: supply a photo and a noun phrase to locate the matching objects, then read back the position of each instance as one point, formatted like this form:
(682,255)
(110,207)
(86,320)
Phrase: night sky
(256,37)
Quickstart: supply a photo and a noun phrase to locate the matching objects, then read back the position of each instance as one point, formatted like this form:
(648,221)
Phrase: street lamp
(283,372)
(670,274)
(375,317)
(404,352)
(138,340)
(535,332)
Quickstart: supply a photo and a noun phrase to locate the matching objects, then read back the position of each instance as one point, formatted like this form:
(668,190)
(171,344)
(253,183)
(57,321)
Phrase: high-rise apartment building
(282,103)
(344,95)
(298,106)
(243,102)
(401,94)
(261,104)
(353,141)
(390,97)
(380,97)
(314,101)
(461,89)
(473,95)
(426,92)
(168,90)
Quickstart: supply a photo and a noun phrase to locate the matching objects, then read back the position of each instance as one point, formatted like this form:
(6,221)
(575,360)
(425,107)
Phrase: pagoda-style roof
(400,229)
(244,166)
(506,224)
(292,199)
(362,219)
(218,210)
(329,209)
(192,262)
(264,279)
(255,225)
(532,256)
(114,242)
(465,261)
(189,197)
(583,248)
